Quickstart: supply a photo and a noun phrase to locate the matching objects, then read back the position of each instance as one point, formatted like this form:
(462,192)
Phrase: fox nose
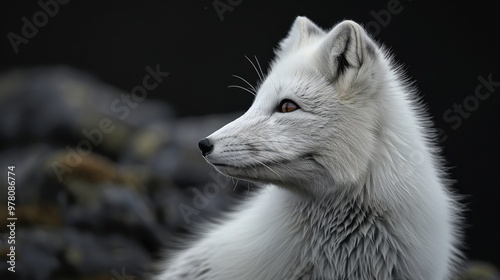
(205,146)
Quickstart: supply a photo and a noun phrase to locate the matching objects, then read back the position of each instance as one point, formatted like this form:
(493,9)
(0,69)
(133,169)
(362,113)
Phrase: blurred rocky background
(104,184)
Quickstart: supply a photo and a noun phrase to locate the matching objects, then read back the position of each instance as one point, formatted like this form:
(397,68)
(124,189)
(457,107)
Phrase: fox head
(314,117)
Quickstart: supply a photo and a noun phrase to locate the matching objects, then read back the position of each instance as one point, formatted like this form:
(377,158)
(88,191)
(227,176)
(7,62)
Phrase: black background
(444,47)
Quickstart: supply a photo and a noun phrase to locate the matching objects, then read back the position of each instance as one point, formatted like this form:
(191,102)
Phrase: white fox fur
(355,188)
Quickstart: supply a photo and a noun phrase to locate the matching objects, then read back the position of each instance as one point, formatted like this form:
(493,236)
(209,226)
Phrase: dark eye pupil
(287,106)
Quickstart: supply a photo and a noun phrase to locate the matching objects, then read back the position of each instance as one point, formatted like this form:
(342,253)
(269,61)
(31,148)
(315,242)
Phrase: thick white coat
(354,188)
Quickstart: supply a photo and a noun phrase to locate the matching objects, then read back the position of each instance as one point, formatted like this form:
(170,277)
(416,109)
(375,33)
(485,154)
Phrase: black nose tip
(205,146)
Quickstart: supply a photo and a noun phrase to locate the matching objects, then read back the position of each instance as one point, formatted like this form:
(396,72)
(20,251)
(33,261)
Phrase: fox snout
(205,146)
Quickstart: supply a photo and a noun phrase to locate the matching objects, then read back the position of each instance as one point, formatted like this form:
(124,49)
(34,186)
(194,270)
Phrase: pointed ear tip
(350,23)
(301,18)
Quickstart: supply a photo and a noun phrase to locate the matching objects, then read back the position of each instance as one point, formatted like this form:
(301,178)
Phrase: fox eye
(287,106)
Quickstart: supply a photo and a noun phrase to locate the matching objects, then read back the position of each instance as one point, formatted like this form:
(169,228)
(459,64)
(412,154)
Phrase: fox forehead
(299,83)
(303,59)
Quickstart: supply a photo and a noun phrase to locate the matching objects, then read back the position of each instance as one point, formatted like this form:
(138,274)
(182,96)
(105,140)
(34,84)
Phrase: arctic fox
(354,188)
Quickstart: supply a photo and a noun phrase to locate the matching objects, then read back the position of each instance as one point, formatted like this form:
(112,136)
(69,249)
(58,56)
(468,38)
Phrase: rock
(66,167)
(35,199)
(30,177)
(70,254)
(90,254)
(36,255)
(100,191)
(61,103)
(476,270)
(116,209)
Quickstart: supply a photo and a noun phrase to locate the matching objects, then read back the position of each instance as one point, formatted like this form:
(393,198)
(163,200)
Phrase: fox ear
(300,33)
(346,46)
